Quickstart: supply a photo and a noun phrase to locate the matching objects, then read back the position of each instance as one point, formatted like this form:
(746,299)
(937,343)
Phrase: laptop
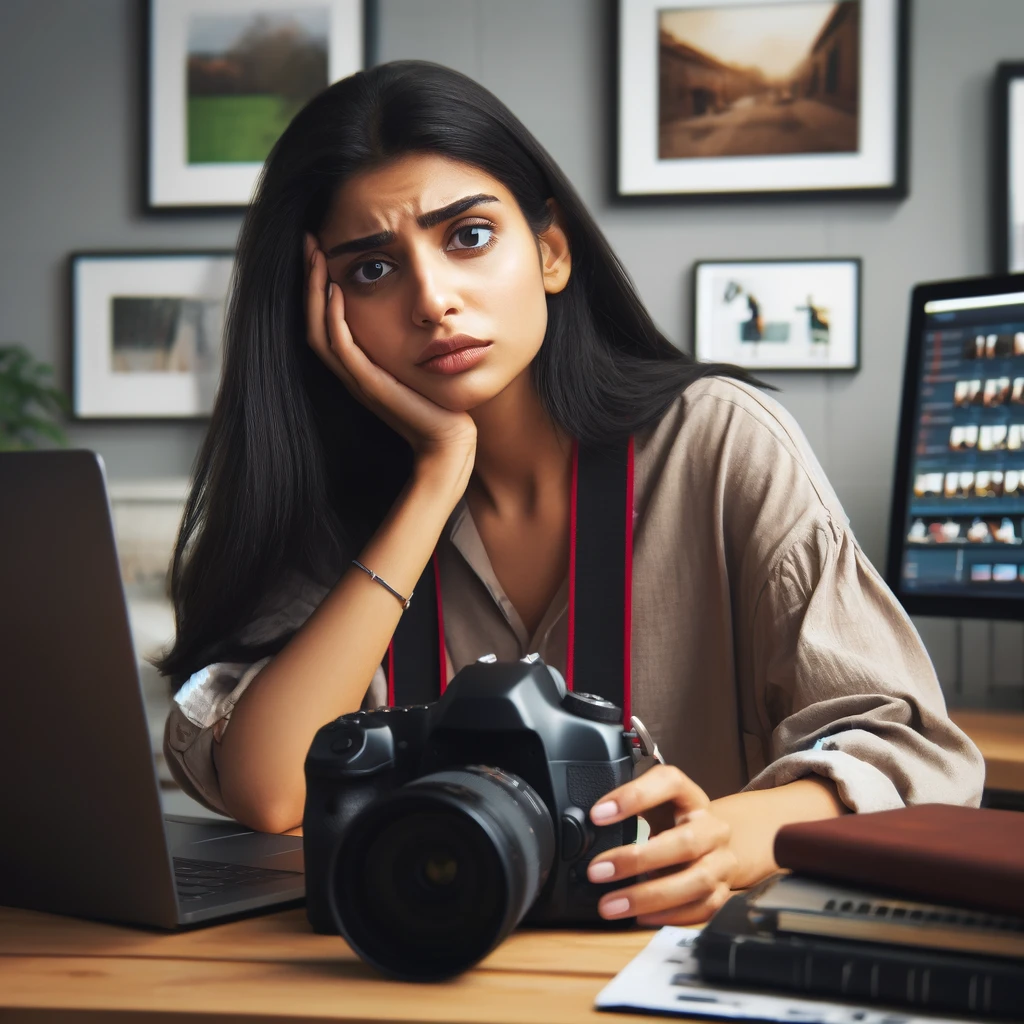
(82,831)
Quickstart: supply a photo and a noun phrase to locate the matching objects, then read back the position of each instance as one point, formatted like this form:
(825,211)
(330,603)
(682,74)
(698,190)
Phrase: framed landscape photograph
(225,77)
(778,314)
(1009,168)
(146,333)
(761,98)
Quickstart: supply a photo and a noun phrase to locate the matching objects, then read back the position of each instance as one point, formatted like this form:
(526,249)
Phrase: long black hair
(294,475)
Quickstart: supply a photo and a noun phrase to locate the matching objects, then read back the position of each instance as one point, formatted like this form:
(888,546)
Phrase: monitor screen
(956,541)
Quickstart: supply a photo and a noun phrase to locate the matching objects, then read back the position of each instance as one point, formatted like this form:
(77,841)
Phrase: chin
(464,392)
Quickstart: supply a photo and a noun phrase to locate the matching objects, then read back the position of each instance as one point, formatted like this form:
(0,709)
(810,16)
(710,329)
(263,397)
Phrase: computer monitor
(956,534)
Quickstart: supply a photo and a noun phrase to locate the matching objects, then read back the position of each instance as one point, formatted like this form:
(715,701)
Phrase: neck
(522,457)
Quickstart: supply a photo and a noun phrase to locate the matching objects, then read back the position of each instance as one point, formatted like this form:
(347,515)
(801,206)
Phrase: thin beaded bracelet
(387,586)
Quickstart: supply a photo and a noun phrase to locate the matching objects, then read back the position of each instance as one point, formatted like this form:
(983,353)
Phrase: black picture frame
(1007,179)
(95,279)
(633,187)
(156,200)
(708,350)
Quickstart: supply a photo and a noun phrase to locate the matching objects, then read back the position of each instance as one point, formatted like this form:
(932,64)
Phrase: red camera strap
(600,593)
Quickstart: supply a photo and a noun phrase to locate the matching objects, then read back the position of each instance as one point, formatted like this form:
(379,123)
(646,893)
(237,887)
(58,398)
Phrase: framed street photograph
(760,98)
(778,314)
(146,333)
(225,77)
(1009,168)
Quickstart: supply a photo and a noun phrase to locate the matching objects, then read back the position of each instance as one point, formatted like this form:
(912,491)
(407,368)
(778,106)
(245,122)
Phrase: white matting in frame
(104,390)
(1015,172)
(172,180)
(875,166)
(778,314)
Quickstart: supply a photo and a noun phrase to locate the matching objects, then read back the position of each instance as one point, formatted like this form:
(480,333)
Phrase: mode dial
(592,707)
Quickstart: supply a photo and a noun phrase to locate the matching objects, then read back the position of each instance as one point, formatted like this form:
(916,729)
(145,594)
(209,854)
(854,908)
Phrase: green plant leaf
(29,403)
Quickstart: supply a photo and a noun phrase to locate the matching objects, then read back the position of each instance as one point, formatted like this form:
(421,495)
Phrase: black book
(744,945)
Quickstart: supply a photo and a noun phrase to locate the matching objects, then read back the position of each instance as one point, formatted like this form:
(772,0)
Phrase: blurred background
(71,179)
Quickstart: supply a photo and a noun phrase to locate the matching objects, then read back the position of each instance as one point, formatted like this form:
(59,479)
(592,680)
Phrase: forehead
(406,187)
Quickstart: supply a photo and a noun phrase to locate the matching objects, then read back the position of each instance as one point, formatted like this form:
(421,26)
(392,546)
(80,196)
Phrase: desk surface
(273,969)
(1000,738)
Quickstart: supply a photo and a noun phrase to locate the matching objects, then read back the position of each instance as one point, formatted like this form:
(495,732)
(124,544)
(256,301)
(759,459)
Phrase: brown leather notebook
(967,856)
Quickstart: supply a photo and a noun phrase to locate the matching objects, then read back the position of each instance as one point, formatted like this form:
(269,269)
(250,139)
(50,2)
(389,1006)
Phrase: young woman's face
(428,249)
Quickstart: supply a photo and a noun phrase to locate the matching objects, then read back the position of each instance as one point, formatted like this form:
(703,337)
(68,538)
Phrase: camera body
(568,748)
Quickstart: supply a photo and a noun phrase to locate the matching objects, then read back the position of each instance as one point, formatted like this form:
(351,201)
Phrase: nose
(435,295)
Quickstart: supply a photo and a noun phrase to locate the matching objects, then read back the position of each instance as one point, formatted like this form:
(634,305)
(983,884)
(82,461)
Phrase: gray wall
(70,179)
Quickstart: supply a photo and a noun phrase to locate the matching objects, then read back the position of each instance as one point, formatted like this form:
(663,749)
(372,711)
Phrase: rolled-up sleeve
(845,687)
(200,714)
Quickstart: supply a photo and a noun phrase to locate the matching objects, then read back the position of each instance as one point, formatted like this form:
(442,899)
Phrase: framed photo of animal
(778,314)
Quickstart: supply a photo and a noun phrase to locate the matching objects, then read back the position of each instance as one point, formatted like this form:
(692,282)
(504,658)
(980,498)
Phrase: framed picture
(225,77)
(778,314)
(1009,168)
(761,98)
(146,333)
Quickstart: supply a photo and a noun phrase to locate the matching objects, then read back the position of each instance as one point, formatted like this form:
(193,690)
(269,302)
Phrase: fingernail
(604,810)
(601,871)
(615,908)
(330,290)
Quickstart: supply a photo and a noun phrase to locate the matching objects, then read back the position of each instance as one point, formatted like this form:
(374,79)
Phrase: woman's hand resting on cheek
(687,860)
(431,430)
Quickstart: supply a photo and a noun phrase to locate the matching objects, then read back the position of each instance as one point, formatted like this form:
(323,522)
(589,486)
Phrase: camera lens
(429,879)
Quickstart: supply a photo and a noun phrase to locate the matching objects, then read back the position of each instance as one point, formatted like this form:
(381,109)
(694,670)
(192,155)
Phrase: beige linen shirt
(765,646)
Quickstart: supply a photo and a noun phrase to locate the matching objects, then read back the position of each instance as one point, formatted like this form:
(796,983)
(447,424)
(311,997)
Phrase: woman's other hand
(431,430)
(687,860)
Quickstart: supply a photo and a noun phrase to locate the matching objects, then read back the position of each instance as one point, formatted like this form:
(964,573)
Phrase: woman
(423,319)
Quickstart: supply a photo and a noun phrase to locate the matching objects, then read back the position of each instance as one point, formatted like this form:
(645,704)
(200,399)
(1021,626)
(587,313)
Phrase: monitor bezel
(944,606)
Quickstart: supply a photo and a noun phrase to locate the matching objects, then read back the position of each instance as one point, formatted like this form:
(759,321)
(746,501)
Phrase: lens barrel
(429,879)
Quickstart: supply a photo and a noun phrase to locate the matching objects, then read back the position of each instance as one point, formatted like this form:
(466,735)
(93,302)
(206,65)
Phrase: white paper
(646,983)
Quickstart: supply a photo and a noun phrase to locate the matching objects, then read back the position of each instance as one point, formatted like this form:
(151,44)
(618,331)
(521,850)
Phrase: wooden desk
(1000,737)
(273,969)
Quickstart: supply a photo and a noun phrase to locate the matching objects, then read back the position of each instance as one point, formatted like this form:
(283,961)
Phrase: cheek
(372,330)
(516,296)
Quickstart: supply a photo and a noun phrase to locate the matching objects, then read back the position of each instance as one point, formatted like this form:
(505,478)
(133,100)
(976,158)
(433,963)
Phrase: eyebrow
(425,220)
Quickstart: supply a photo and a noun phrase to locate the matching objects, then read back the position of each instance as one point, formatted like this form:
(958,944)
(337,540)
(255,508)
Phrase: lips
(445,346)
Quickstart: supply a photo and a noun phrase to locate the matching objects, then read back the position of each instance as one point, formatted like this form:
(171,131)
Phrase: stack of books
(921,906)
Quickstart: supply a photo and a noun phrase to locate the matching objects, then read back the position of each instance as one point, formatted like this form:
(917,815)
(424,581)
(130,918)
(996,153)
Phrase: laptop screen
(956,543)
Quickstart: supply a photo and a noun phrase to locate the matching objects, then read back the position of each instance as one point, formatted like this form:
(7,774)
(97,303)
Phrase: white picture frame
(147,333)
(778,315)
(202,154)
(706,109)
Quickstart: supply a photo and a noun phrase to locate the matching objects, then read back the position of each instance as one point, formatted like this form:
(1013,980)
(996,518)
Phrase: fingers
(697,835)
(329,336)
(686,868)
(318,333)
(698,889)
(316,301)
(692,913)
(660,785)
(426,425)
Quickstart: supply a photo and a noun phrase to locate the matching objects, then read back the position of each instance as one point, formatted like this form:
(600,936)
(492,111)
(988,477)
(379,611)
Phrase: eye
(472,236)
(372,271)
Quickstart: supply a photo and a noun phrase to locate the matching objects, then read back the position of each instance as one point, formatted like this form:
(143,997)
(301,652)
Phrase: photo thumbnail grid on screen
(964,527)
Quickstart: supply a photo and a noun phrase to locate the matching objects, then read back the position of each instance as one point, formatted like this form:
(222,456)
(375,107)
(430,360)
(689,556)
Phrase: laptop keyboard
(197,879)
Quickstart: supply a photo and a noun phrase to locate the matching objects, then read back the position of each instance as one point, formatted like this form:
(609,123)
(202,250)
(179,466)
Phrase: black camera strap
(600,593)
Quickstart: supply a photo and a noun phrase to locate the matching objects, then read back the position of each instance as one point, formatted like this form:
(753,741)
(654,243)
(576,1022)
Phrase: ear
(555,258)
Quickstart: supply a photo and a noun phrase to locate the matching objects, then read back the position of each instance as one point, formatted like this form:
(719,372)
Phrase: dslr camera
(432,831)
